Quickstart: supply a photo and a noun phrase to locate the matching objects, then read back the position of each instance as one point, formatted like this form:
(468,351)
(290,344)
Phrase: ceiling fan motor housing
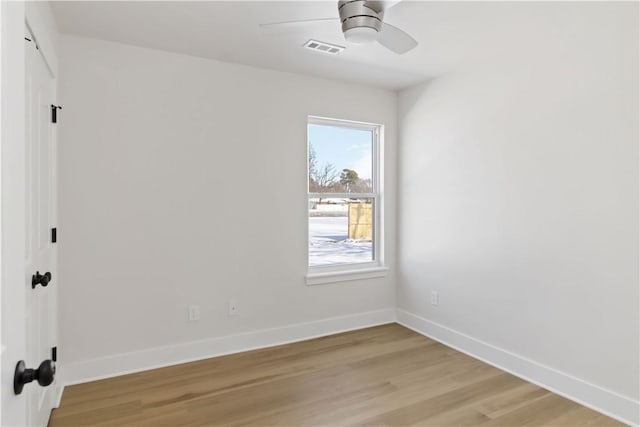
(355,14)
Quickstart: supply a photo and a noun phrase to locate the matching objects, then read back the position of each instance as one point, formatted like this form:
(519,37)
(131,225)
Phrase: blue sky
(342,147)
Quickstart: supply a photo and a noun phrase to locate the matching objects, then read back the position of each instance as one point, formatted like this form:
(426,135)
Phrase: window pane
(340,231)
(340,160)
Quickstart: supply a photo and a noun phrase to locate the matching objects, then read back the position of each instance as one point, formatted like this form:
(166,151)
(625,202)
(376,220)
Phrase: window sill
(317,278)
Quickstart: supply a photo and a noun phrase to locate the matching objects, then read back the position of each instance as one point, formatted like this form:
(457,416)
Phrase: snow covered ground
(328,243)
(338,209)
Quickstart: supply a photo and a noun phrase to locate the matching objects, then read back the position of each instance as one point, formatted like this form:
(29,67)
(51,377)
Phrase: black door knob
(40,279)
(44,375)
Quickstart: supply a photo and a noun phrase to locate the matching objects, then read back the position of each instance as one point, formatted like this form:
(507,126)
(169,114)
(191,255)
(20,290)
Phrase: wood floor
(381,376)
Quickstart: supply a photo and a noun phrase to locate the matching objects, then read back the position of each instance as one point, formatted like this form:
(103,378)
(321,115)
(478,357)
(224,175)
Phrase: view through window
(342,192)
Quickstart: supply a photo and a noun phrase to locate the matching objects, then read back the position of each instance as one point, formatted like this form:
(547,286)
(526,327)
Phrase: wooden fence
(360,221)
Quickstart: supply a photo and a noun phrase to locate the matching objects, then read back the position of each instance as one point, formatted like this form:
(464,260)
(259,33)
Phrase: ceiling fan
(362,22)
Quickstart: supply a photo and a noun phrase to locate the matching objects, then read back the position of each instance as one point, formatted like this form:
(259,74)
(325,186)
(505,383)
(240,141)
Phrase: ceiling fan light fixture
(362,23)
(361,35)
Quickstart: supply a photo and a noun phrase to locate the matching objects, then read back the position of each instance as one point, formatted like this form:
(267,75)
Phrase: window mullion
(343,195)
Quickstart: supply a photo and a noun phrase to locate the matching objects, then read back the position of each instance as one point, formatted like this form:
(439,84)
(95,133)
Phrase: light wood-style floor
(381,376)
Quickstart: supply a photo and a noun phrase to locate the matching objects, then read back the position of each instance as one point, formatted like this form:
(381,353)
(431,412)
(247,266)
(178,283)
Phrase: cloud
(364,146)
(363,165)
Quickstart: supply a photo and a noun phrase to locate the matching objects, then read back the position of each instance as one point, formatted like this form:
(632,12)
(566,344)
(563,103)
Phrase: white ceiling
(449,33)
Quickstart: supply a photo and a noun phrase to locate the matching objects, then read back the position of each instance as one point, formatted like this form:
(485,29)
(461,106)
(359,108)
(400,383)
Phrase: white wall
(518,178)
(183,181)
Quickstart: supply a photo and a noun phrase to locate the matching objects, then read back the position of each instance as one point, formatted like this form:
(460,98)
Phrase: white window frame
(362,270)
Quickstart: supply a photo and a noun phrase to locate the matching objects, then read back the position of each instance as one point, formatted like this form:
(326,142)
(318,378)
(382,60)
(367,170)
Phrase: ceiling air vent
(323,47)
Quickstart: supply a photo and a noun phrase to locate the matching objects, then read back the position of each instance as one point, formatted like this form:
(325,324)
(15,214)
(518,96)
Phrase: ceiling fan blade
(381,5)
(395,39)
(293,26)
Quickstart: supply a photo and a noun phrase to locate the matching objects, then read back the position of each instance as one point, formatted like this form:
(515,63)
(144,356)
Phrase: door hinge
(35,43)
(54,353)
(54,113)
(54,235)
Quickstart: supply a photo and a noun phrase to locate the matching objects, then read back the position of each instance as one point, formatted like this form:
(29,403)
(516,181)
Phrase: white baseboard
(143,360)
(59,389)
(602,400)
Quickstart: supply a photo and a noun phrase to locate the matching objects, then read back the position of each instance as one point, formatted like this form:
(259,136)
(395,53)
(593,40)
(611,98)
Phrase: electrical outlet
(194,313)
(233,307)
(435,298)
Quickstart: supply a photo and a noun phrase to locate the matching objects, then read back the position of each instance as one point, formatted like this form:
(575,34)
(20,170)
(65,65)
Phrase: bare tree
(327,178)
(321,179)
(312,166)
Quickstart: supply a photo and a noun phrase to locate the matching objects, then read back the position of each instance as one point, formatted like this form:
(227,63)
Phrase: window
(344,200)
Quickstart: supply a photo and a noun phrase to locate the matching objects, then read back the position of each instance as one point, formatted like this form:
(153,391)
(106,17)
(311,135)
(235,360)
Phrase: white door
(12,203)
(27,165)
(40,256)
